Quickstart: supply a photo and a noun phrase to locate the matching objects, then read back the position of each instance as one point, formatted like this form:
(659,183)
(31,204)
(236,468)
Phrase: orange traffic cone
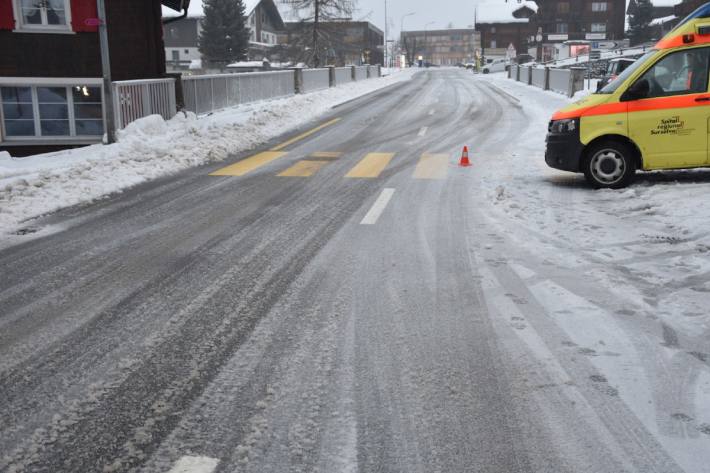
(464,157)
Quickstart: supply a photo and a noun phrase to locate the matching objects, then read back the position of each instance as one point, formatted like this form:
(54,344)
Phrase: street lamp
(426,44)
(385,42)
(401,34)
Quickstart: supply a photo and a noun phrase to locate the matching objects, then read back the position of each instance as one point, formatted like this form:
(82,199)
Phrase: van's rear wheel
(610,165)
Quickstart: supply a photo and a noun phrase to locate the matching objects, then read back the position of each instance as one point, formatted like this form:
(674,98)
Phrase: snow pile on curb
(151,147)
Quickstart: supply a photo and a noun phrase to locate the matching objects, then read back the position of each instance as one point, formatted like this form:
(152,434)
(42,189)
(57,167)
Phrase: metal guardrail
(134,99)
(525,74)
(538,78)
(564,81)
(343,75)
(315,79)
(559,80)
(204,94)
(360,72)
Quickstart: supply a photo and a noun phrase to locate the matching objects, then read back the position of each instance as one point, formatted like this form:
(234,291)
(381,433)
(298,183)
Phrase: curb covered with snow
(151,147)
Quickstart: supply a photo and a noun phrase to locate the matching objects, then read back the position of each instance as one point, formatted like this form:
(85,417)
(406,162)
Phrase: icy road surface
(350,300)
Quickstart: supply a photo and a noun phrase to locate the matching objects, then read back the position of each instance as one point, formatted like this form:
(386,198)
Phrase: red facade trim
(7,19)
(81,10)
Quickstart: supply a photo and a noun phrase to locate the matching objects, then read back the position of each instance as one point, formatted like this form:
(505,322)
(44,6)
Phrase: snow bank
(151,147)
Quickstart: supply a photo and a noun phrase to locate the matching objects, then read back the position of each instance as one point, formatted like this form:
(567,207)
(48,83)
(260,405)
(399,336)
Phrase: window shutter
(80,11)
(7,19)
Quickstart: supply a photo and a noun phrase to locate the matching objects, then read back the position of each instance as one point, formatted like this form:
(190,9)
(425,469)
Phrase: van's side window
(679,73)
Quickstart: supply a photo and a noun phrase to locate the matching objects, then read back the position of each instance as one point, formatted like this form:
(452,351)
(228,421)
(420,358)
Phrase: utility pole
(402,37)
(106,70)
(385,45)
(316,21)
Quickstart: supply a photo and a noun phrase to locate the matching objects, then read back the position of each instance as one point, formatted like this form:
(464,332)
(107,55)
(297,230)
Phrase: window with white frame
(599,6)
(54,111)
(561,28)
(598,27)
(43,15)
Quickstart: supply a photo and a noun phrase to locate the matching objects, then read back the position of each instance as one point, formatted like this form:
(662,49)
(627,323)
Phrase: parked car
(615,67)
(523,59)
(497,65)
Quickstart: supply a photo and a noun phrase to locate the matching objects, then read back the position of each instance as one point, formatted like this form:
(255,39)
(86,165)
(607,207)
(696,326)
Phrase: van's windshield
(613,85)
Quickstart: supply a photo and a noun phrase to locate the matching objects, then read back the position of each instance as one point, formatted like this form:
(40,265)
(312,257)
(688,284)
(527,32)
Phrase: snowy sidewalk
(624,274)
(151,148)
(649,243)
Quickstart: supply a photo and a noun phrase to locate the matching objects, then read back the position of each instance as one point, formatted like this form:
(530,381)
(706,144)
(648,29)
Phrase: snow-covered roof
(664,20)
(195,10)
(665,3)
(502,12)
(246,64)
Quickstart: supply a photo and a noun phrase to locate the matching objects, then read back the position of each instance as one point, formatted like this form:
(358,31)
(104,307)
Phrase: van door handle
(703,99)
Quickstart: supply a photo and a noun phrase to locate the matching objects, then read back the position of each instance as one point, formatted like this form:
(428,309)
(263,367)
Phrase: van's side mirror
(639,90)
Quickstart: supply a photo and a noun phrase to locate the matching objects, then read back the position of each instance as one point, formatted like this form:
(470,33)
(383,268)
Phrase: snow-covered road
(151,148)
(354,301)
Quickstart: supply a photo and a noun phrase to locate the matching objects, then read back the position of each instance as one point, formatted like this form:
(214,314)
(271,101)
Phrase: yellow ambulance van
(654,115)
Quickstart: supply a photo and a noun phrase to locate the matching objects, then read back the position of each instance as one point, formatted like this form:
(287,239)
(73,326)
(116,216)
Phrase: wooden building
(504,24)
(587,20)
(342,42)
(50,67)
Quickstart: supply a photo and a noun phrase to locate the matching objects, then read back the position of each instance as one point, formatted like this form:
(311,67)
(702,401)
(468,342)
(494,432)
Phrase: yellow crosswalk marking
(432,166)
(326,154)
(371,165)
(305,135)
(249,164)
(304,168)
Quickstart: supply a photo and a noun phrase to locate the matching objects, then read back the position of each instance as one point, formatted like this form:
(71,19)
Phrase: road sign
(595,55)
(607,44)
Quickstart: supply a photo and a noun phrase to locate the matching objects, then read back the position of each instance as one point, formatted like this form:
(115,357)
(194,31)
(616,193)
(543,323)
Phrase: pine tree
(640,17)
(225,36)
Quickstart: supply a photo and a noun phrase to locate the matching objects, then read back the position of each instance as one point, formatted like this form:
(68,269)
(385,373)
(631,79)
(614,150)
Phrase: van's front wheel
(609,165)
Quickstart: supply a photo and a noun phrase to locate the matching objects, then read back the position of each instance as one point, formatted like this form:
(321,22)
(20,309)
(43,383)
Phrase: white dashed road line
(194,465)
(378,207)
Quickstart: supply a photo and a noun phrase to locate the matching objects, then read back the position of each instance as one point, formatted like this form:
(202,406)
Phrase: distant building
(181,43)
(681,9)
(504,24)
(447,47)
(664,16)
(560,21)
(343,42)
(265,22)
(182,36)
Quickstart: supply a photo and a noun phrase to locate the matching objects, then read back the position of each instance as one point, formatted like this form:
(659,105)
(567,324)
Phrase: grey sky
(441,12)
